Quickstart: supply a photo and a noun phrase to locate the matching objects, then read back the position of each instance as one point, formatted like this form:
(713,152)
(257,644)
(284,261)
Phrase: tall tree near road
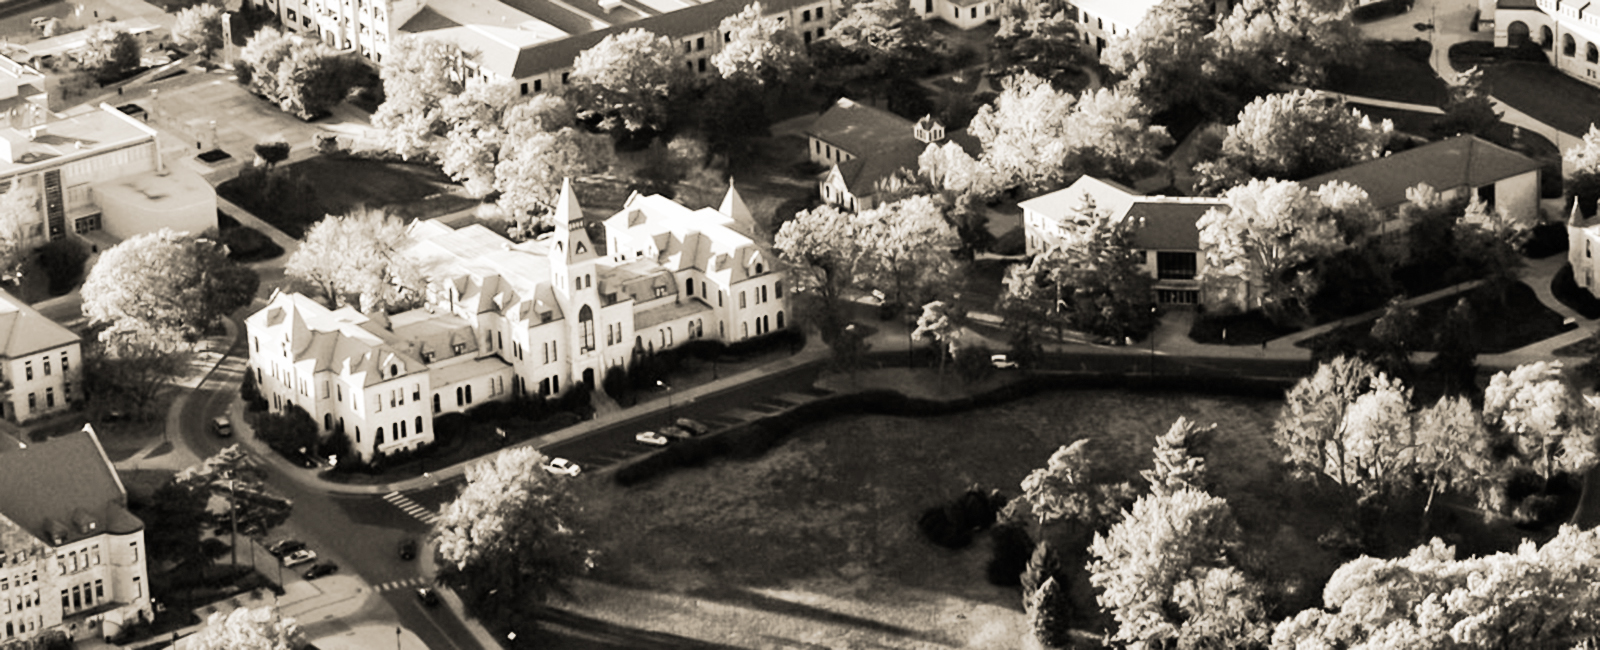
(531,169)
(248,628)
(939,323)
(1038,137)
(418,75)
(167,285)
(356,255)
(759,49)
(199,28)
(510,536)
(1273,233)
(910,248)
(128,373)
(1340,422)
(627,79)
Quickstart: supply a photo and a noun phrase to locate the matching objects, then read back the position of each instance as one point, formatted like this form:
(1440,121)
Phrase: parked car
(428,596)
(322,569)
(693,426)
(301,556)
(221,426)
(303,460)
(1002,361)
(651,438)
(284,547)
(675,431)
(562,467)
(408,549)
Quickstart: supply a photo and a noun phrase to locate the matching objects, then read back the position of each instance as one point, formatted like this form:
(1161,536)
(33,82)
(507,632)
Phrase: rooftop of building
(860,129)
(1461,161)
(343,341)
(168,190)
(58,45)
(25,331)
(64,489)
(99,130)
(1163,222)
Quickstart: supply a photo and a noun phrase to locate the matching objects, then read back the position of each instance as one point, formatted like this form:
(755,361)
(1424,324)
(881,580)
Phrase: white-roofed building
(504,319)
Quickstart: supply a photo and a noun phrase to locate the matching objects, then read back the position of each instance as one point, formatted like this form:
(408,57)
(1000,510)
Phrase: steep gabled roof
(65,488)
(861,130)
(1462,161)
(24,331)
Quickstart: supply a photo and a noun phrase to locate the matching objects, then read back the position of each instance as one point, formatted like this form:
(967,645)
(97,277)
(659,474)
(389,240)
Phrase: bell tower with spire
(573,259)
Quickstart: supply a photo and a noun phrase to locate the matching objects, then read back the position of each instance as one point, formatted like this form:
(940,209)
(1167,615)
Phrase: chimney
(35,132)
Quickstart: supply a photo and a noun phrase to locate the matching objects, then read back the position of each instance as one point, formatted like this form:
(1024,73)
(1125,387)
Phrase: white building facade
(39,363)
(1567,31)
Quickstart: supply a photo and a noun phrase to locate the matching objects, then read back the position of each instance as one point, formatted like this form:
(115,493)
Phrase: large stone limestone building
(504,319)
(72,558)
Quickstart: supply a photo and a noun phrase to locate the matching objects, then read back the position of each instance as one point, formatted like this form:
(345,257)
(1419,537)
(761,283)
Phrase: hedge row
(1379,10)
(754,438)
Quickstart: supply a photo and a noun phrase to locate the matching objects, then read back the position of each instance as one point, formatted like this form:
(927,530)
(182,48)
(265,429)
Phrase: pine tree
(1047,615)
(1043,566)
(1177,465)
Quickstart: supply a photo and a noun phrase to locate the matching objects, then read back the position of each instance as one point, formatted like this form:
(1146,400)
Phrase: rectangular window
(47,367)
(719,298)
(805,16)
(66,363)
(138,589)
(741,300)
(1176,266)
(538,85)
(700,44)
(819,12)
(66,599)
(66,389)
(27,367)
(33,401)
(564,78)
(777,289)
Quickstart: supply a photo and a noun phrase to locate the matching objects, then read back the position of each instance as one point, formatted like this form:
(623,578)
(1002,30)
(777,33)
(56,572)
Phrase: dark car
(285,547)
(221,426)
(428,596)
(408,549)
(694,427)
(323,569)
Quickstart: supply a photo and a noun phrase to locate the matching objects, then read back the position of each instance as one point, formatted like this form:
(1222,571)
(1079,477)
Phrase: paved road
(361,534)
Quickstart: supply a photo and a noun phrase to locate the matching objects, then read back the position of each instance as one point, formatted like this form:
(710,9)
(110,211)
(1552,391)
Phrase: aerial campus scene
(799,324)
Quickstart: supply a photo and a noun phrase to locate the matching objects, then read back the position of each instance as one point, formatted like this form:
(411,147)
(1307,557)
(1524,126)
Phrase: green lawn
(341,183)
(1498,327)
(1545,94)
(1395,71)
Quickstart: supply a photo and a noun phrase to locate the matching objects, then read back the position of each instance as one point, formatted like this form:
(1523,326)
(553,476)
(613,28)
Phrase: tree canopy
(165,285)
(627,79)
(1094,281)
(1547,420)
(1293,41)
(1349,422)
(109,53)
(1163,61)
(1272,233)
(476,126)
(1068,489)
(356,258)
(511,535)
(199,28)
(823,249)
(1038,137)
(418,75)
(248,628)
(19,213)
(759,49)
(1293,136)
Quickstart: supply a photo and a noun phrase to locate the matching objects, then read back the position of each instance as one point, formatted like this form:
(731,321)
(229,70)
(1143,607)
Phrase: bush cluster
(247,244)
(1012,550)
(953,524)
(63,261)
(1380,10)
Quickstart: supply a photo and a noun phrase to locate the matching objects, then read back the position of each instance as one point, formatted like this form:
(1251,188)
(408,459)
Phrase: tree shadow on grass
(559,628)
(744,597)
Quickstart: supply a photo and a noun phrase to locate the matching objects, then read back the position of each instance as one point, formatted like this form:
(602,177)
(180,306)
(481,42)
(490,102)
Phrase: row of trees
(302,76)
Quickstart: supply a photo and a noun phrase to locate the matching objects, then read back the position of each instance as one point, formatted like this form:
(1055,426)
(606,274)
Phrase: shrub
(1012,549)
(254,401)
(1548,239)
(337,444)
(973,363)
(247,244)
(451,424)
(576,400)
(326,143)
(791,339)
(1565,288)
(1380,10)
(287,432)
(615,383)
(63,260)
(937,525)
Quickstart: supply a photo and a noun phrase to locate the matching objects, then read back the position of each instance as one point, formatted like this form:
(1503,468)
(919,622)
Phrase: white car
(562,467)
(1002,361)
(651,438)
(301,556)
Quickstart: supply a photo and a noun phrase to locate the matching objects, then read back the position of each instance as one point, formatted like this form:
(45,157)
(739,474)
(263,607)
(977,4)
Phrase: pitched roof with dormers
(681,239)
(24,331)
(486,271)
(63,490)
(343,341)
(881,142)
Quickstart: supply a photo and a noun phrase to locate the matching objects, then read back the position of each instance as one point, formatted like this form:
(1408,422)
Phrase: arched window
(1547,38)
(327,421)
(379,439)
(394,370)
(780,320)
(586,328)
(688,285)
(1569,47)
(469,394)
(1517,34)
(419,424)
(760,269)
(435,402)
(1592,53)
(458,396)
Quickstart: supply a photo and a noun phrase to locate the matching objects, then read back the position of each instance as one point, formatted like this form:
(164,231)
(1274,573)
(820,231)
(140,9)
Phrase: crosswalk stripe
(405,504)
(394,585)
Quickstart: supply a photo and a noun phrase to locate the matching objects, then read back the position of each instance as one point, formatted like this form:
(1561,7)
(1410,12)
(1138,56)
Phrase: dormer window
(427,357)
(458,348)
(394,370)
(760,269)
(660,291)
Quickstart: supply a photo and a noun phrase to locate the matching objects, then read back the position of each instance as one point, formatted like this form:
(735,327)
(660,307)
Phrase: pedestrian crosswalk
(395,585)
(412,508)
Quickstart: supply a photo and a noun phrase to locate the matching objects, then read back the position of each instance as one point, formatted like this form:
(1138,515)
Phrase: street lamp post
(1152,337)
(667,388)
(396,637)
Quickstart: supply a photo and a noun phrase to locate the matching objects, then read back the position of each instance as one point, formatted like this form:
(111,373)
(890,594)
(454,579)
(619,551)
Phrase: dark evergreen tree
(1047,615)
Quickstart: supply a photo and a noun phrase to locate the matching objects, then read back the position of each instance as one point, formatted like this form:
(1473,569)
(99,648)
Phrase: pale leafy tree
(759,49)
(950,168)
(1165,573)
(357,255)
(476,133)
(1293,136)
(418,75)
(1111,134)
(530,170)
(1455,452)
(1347,422)
(248,628)
(1534,597)
(884,31)
(1583,181)
(511,536)
(910,248)
(18,213)
(627,80)
(259,59)
(1293,41)
(1270,234)
(940,324)
(1097,277)
(166,285)
(313,78)
(1067,489)
(1024,133)
(1036,136)
(1163,60)
(1178,464)
(199,28)
(824,254)
(108,52)
(1548,421)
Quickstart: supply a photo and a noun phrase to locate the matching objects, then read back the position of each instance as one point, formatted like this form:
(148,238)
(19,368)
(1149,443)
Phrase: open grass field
(1395,71)
(341,183)
(815,544)
(1519,321)
(1545,94)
